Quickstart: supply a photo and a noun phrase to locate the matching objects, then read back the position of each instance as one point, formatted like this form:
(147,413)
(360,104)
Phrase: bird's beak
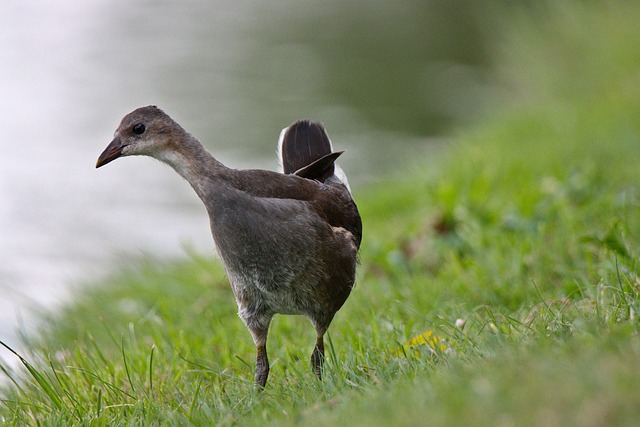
(112,152)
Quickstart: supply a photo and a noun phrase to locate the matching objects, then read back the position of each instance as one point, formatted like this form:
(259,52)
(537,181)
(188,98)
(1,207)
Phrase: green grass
(526,229)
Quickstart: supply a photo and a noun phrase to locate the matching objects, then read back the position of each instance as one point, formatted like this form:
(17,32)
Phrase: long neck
(193,162)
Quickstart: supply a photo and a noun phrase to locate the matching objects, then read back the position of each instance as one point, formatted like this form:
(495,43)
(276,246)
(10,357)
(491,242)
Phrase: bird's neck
(194,163)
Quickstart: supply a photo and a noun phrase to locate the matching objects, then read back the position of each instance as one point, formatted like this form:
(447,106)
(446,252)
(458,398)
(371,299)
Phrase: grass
(515,251)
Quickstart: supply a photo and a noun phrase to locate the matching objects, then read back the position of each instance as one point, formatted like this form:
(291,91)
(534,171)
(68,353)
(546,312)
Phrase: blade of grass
(42,380)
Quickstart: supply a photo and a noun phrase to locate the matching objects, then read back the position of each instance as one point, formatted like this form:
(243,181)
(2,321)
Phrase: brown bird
(288,241)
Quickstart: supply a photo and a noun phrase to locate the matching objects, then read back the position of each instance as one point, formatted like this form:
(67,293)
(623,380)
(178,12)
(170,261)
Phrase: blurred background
(388,79)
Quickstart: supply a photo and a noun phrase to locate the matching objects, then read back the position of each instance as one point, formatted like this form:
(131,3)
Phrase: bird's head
(145,131)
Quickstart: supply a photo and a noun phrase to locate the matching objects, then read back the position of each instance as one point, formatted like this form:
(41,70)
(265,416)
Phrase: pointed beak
(112,152)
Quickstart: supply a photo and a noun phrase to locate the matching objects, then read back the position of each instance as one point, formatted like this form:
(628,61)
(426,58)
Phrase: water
(233,73)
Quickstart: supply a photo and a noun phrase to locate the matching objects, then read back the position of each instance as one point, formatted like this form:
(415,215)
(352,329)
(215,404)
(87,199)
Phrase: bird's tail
(305,149)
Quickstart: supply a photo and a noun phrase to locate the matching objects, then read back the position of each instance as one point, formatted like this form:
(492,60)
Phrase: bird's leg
(317,357)
(262,367)
(259,333)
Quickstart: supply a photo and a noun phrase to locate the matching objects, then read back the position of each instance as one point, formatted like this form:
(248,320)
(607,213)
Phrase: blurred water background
(388,79)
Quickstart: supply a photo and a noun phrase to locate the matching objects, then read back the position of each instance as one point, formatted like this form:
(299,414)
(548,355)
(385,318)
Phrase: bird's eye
(138,129)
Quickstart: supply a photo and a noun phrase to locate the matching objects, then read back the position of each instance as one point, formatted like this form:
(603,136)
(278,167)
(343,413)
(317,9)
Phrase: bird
(288,240)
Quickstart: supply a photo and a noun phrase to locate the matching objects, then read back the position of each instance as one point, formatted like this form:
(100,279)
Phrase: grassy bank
(513,254)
